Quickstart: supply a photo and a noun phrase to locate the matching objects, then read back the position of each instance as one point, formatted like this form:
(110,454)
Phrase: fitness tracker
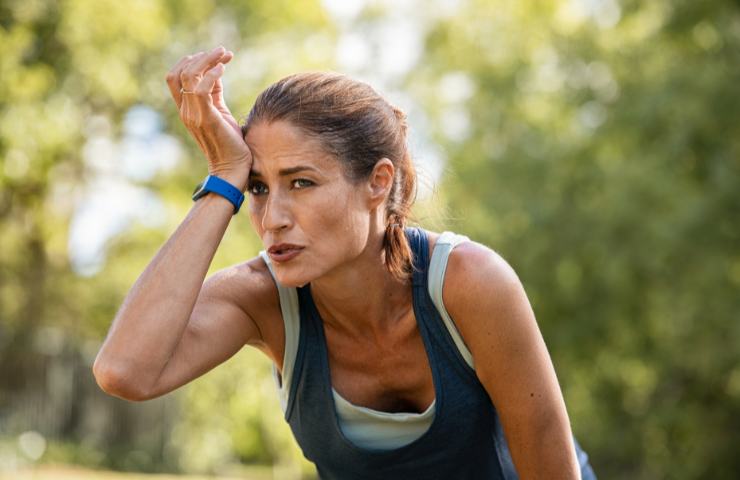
(220,186)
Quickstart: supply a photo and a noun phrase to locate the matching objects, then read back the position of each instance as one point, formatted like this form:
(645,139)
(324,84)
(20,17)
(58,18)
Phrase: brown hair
(357,125)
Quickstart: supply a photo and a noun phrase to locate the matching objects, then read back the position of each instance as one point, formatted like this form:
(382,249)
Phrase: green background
(595,144)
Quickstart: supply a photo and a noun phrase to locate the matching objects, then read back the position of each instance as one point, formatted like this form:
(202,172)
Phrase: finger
(194,71)
(228,56)
(218,102)
(173,76)
(197,68)
(198,104)
(217,92)
(218,87)
(202,93)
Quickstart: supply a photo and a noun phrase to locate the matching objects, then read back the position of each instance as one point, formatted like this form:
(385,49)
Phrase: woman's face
(297,194)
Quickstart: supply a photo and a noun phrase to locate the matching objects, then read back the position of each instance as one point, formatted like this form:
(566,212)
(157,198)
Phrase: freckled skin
(328,217)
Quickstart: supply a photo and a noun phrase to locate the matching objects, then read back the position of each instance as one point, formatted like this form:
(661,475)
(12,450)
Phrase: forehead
(281,143)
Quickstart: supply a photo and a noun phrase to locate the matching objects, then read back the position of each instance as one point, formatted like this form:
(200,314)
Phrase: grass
(69,472)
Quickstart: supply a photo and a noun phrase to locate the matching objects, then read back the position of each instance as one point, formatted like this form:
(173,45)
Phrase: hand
(195,84)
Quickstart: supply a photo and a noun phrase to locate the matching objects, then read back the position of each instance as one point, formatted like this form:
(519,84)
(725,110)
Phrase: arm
(169,330)
(230,311)
(171,327)
(488,303)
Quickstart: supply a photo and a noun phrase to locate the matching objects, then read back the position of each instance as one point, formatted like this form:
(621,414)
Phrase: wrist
(237,179)
(222,187)
(220,202)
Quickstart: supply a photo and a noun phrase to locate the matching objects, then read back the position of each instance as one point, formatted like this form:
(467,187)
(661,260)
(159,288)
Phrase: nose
(276,215)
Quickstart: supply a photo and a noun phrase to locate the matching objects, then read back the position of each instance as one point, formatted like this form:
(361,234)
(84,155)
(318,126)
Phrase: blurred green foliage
(71,72)
(595,145)
(603,161)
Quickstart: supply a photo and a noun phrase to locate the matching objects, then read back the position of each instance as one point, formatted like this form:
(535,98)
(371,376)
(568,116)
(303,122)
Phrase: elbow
(559,451)
(119,383)
(541,446)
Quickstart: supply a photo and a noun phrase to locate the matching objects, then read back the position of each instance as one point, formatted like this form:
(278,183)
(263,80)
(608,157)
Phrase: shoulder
(484,296)
(249,285)
(247,282)
(475,276)
(472,267)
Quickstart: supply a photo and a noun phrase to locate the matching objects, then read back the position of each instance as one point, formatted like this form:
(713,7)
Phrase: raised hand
(195,85)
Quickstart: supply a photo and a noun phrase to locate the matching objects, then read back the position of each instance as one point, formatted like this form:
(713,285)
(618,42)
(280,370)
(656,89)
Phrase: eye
(254,188)
(302,183)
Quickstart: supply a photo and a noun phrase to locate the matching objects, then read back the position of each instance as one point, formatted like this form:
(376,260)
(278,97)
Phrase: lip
(283,252)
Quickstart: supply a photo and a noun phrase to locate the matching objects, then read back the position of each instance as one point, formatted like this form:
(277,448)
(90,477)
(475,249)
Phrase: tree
(598,150)
(73,72)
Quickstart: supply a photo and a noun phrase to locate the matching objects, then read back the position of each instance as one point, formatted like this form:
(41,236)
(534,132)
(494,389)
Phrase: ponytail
(398,254)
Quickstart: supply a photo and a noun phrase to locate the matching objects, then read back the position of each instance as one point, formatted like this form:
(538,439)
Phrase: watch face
(198,189)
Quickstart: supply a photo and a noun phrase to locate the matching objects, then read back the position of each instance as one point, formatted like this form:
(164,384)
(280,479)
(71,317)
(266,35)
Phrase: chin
(293,284)
(292,281)
(296,275)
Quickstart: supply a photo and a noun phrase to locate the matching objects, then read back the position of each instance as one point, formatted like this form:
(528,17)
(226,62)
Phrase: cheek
(348,220)
(336,211)
(255,215)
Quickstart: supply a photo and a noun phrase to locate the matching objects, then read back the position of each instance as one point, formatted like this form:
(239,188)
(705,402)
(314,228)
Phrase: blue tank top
(465,439)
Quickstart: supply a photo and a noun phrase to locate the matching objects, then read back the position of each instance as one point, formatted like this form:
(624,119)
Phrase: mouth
(283,253)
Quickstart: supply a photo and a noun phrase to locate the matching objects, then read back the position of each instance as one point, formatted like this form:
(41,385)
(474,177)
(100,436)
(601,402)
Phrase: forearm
(154,314)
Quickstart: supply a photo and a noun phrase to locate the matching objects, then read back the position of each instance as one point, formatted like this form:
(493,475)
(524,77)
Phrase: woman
(354,308)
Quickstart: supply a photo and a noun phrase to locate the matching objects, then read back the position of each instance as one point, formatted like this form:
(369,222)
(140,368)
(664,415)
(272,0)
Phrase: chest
(390,374)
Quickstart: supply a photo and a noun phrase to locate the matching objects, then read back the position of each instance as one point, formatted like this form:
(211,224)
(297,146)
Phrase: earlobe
(381,181)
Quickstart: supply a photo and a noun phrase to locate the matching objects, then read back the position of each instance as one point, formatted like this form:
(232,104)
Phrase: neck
(361,298)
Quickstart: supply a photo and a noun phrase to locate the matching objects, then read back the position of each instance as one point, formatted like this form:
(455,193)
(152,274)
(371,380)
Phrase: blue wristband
(220,186)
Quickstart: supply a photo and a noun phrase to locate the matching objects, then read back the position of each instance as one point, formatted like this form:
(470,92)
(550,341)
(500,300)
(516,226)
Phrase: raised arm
(172,327)
(485,298)
(169,311)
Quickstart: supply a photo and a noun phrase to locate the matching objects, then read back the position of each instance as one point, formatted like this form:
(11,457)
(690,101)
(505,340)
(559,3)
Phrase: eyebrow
(284,171)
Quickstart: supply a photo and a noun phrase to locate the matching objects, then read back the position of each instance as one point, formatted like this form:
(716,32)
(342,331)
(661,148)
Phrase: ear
(380,182)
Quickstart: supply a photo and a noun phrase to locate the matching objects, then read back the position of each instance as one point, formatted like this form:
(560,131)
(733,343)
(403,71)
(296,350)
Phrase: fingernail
(220,47)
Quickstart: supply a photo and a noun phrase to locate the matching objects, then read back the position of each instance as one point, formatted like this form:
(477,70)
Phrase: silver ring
(183,91)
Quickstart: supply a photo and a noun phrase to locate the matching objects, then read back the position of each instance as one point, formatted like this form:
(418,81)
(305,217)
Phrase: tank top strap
(420,254)
(429,316)
(289,308)
(444,245)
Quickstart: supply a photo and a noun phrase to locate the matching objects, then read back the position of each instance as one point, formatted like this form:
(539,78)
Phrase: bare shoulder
(481,292)
(472,265)
(249,285)
(471,268)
